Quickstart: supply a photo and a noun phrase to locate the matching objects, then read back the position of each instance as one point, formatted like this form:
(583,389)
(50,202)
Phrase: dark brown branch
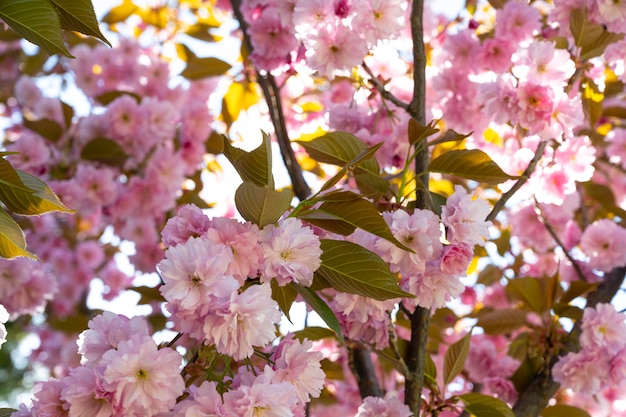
(364,372)
(543,387)
(523,179)
(417,109)
(384,93)
(271,91)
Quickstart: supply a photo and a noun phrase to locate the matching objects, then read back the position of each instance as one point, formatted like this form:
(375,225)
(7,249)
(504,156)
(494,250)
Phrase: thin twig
(271,91)
(384,93)
(558,241)
(523,179)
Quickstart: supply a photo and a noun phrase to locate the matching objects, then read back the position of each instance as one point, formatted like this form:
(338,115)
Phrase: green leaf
(455,357)
(46,128)
(364,155)
(481,405)
(6,412)
(254,166)
(604,195)
(199,68)
(532,291)
(37,21)
(430,369)
(526,372)
(352,211)
(320,307)
(31,203)
(314,333)
(577,289)
(560,410)
(104,150)
(149,295)
(202,31)
(351,268)
(284,295)
(592,38)
(471,164)
(79,16)
(12,242)
(107,98)
(502,321)
(339,148)
(8,174)
(419,132)
(261,205)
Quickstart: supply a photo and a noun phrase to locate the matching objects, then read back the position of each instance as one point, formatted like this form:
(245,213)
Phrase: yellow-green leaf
(339,148)
(471,164)
(560,410)
(502,321)
(120,13)
(454,359)
(104,150)
(46,128)
(284,295)
(320,307)
(31,203)
(79,16)
(37,21)
(12,242)
(351,268)
(198,68)
(261,205)
(254,166)
(481,405)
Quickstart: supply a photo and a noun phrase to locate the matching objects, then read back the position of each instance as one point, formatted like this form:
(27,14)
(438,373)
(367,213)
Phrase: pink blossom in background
(291,252)
(202,401)
(334,48)
(388,406)
(455,259)
(516,21)
(602,242)
(585,371)
(603,328)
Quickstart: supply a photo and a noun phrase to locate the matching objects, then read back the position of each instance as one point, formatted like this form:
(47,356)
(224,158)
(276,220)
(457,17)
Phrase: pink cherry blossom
(294,362)
(455,259)
(144,379)
(106,331)
(585,371)
(543,64)
(262,397)
(464,218)
(334,48)
(516,20)
(602,242)
(419,231)
(245,321)
(188,222)
(86,395)
(195,270)
(388,406)
(603,328)
(291,252)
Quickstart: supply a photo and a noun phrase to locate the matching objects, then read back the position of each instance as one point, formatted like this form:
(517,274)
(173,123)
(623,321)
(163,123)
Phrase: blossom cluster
(600,363)
(329,35)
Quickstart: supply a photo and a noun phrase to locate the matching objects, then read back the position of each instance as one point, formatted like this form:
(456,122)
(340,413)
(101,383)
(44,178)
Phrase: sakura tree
(330,207)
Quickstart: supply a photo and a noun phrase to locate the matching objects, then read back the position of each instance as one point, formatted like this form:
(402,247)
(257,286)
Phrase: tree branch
(384,93)
(523,179)
(364,372)
(272,96)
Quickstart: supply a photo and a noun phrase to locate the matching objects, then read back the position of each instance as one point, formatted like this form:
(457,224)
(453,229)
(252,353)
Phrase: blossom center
(141,374)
